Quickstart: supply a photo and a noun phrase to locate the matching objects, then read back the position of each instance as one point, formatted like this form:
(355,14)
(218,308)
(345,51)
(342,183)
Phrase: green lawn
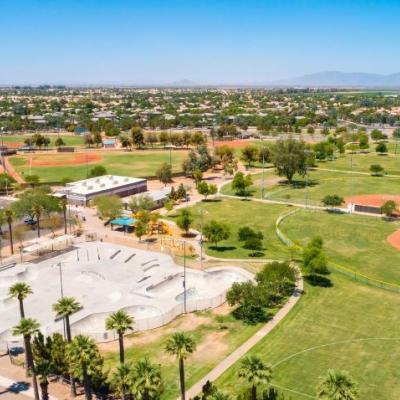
(327,329)
(69,140)
(357,242)
(237,213)
(320,183)
(137,163)
(223,332)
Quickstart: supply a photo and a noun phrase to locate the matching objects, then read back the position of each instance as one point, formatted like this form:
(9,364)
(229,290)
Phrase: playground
(105,278)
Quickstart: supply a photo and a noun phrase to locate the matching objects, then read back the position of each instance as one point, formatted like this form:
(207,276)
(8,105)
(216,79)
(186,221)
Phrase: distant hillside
(343,79)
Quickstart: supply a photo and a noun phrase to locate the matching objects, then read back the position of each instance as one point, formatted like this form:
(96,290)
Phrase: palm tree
(26,328)
(9,218)
(255,372)
(181,345)
(37,211)
(63,205)
(121,381)
(337,385)
(64,308)
(147,380)
(20,290)
(120,321)
(80,353)
(43,370)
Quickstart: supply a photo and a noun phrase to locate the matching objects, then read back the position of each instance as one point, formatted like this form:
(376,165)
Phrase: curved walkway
(249,343)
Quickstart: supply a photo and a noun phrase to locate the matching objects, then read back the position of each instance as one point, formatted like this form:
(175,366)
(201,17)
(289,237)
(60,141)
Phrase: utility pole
(263,173)
(184,276)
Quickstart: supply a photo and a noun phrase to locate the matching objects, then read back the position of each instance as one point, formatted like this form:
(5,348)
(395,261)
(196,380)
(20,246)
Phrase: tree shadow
(222,248)
(211,200)
(189,235)
(318,280)
(256,254)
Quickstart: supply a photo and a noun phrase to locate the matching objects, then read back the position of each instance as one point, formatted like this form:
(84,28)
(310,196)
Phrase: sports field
(348,326)
(319,184)
(238,213)
(54,167)
(18,140)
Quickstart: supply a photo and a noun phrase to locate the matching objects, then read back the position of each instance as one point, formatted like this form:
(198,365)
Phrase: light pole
(184,277)
(307,152)
(59,265)
(263,173)
(202,212)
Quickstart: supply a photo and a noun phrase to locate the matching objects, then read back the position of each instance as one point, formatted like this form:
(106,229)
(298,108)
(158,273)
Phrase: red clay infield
(394,239)
(373,200)
(60,160)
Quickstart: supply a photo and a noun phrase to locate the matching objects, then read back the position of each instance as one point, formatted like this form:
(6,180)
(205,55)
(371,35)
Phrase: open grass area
(69,140)
(355,241)
(319,184)
(136,163)
(348,326)
(238,213)
(221,333)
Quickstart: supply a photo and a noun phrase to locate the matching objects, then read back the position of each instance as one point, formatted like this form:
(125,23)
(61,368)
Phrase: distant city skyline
(209,42)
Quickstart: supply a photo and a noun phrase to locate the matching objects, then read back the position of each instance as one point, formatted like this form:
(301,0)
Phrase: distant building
(158,196)
(81,192)
(109,143)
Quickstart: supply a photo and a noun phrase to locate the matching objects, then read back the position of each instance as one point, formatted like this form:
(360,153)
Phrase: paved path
(246,346)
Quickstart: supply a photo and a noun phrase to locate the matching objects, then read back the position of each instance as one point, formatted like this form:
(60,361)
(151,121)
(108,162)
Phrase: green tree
(389,208)
(43,369)
(121,322)
(289,157)
(137,136)
(64,308)
(184,220)
(181,346)
(216,231)
(20,291)
(337,385)
(147,380)
(381,148)
(37,212)
(164,173)
(59,142)
(206,189)
(250,155)
(255,372)
(9,215)
(140,229)
(96,171)
(63,206)
(376,135)
(26,328)
(121,381)
(82,353)
(241,183)
(376,170)
(108,207)
(332,200)
(314,260)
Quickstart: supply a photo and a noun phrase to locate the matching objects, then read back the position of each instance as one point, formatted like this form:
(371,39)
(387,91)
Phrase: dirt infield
(60,160)
(394,239)
(372,200)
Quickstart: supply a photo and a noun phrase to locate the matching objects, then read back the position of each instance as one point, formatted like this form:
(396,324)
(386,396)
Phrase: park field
(319,184)
(354,241)
(238,213)
(69,140)
(347,326)
(54,167)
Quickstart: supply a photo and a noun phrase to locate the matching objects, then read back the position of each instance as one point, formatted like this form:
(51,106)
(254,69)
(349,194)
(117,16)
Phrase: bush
(333,200)
(96,171)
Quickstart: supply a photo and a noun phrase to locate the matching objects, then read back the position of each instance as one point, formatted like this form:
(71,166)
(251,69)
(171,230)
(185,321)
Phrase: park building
(82,192)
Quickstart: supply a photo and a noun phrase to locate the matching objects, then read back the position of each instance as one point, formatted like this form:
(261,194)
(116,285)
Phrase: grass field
(221,332)
(320,183)
(137,163)
(237,213)
(347,326)
(69,140)
(355,241)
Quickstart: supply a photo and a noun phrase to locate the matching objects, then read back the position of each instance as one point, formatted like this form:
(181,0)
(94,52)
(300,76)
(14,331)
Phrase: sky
(204,41)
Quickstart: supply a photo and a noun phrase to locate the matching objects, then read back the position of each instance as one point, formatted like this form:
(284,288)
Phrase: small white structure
(158,196)
(81,192)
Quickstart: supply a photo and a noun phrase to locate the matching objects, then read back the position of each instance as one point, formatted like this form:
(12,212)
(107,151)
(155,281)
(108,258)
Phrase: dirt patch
(212,341)
(394,239)
(223,309)
(236,144)
(373,200)
(187,322)
(61,160)
(272,180)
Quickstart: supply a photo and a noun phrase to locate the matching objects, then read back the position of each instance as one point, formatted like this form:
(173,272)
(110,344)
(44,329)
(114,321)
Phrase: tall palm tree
(26,328)
(64,308)
(181,345)
(9,218)
(121,322)
(63,205)
(80,353)
(20,291)
(337,385)
(43,369)
(255,372)
(122,381)
(37,211)
(147,380)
